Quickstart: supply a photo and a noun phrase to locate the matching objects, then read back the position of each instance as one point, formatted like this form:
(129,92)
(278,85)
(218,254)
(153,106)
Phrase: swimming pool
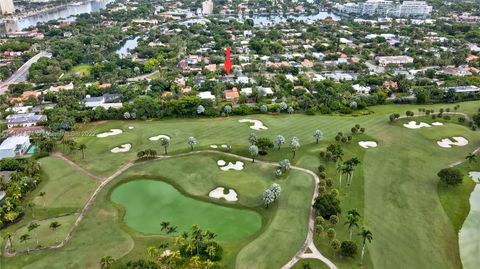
(32,149)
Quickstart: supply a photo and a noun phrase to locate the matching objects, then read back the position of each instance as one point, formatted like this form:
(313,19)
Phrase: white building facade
(7,7)
(14,146)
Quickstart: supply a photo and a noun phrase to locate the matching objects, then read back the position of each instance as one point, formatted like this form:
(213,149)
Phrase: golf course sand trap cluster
(213,146)
(238,165)
(219,193)
(368,144)
(158,137)
(469,238)
(437,124)
(257,125)
(112,132)
(414,125)
(122,148)
(447,143)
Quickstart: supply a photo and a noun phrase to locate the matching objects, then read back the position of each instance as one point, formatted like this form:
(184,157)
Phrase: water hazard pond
(149,202)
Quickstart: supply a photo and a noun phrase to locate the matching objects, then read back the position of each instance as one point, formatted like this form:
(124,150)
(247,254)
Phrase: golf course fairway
(149,202)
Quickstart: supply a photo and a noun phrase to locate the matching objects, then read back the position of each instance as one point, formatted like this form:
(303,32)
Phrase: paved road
(21,74)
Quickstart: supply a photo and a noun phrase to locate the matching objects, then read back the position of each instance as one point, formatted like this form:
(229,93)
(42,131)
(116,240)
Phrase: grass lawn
(64,187)
(395,189)
(81,70)
(45,236)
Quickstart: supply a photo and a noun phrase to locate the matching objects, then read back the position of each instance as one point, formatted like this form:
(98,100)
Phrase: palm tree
(195,262)
(42,194)
(54,226)
(31,206)
(165,225)
(82,147)
(165,144)
(366,236)
(33,226)
(352,221)
(211,251)
(340,170)
(8,236)
(23,239)
(471,157)
(106,261)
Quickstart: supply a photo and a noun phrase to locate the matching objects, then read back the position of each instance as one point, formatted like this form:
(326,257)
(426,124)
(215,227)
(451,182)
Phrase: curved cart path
(308,246)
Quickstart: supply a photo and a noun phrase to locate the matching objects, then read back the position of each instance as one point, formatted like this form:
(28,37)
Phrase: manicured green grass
(395,189)
(45,236)
(81,70)
(64,187)
(149,202)
(314,264)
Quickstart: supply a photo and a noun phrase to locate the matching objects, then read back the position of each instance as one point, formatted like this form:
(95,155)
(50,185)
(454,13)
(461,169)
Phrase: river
(59,13)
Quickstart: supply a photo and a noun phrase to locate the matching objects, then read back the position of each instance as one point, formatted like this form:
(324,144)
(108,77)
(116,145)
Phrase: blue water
(32,150)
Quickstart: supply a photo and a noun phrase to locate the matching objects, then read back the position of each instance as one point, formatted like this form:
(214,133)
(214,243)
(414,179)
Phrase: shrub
(327,205)
(321,168)
(331,233)
(450,176)
(348,249)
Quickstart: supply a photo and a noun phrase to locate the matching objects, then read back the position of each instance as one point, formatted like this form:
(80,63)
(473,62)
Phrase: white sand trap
(130,127)
(233,166)
(112,132)
(257,125)
(368,144)
(224,146)
(469,237)
(213,146)
(158,137)
(122,148)
(221,163)
(437,124)
(218,193)
(414,125)
(475,176)
(447,143)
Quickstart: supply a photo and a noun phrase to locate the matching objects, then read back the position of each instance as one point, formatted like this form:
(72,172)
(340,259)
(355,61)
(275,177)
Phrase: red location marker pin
(228,63)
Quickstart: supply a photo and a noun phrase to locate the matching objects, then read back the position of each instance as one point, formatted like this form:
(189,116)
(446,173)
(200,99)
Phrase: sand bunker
(368,144)
(213,146)
(437,124)
(224,146)
(414,125)
(130,127)
(469,237)
(122,148)
(447,143)
(158,137)
(257,125)
(221,163)
(233,166)
(112,132)
(475,176)
(218,193)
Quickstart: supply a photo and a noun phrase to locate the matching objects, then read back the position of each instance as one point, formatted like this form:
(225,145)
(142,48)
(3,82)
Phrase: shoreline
(43,11)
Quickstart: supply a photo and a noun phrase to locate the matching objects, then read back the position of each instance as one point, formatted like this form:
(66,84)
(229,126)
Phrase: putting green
(149,202)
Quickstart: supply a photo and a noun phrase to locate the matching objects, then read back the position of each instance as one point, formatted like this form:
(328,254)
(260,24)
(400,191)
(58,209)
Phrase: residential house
(65,87)
(396,60)
(231,95)
(24,120)
(26,95)
(104,101)
(206,96)
(14,146)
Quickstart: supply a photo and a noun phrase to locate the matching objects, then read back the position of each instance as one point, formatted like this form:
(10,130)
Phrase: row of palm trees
(32,228)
